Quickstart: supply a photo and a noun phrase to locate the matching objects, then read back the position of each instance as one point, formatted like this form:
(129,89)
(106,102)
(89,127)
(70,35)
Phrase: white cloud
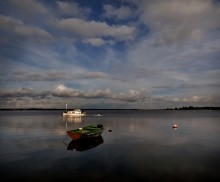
(195,98)
(26,31)
(21,92)
(54,75)
(175,21)
(73,9)
(131,96)
(18,28)
(118,13)
(93,75)
(91,29)
(34,75)
(30,8)
(25,97)
(171,74)
(62,91)
(95,41)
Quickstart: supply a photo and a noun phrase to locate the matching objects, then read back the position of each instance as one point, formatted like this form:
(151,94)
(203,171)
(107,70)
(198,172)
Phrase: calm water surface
(142,146)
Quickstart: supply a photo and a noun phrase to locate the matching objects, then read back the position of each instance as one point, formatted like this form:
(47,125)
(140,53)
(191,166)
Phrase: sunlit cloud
(65,92)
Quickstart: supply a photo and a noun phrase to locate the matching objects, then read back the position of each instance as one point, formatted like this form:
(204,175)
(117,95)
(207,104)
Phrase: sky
(109,54)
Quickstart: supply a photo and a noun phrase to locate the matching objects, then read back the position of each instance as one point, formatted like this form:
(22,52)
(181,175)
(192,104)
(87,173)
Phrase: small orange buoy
(175,126)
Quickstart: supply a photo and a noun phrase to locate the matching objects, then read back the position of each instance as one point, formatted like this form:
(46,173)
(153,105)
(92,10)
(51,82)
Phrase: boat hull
(73,114)
(91,131)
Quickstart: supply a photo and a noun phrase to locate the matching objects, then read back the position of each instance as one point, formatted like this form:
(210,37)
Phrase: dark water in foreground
(142,146)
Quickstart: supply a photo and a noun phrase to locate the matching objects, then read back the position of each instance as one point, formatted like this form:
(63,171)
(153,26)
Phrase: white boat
(98,115)
(74,112)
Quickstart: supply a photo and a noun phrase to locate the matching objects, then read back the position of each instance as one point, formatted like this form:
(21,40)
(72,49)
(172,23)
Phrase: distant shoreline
(69,109)
(194,108)
(54,109)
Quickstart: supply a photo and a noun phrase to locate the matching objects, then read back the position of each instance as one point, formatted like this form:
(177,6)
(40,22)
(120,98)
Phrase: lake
(142,146)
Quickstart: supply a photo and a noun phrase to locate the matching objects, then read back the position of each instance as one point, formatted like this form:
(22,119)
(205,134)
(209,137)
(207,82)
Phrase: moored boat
(89,131)
(98,115)
(74,112)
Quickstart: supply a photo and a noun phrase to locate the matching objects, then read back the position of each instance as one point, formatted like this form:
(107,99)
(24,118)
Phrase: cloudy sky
(141,54)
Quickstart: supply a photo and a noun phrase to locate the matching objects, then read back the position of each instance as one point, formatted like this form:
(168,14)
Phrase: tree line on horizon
(194,108)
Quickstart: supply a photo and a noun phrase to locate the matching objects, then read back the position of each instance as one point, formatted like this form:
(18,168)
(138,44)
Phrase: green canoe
(89,131)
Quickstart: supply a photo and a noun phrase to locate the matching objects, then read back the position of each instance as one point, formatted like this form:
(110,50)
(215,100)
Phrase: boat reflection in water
(85,144)
(75,119)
